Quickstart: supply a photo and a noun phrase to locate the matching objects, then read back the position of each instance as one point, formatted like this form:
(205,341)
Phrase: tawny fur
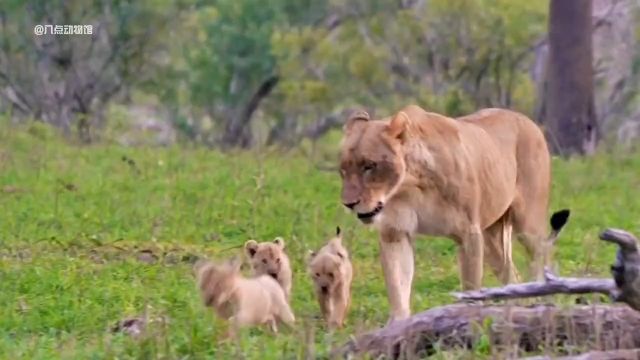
(242,301)
(476,179)
(270,258)
(332,273)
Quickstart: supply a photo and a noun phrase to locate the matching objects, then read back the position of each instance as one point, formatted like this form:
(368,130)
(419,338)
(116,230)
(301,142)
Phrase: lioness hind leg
(498,250)
(530,228)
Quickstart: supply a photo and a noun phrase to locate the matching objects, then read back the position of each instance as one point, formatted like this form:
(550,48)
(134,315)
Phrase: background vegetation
(229,73)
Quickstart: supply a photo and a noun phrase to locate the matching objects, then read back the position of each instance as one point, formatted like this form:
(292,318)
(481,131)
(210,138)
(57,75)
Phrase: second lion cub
(332,273)
(269,258)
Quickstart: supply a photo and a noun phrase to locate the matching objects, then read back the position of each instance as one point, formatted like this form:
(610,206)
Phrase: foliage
(67,80)
(450,56)
(75,220)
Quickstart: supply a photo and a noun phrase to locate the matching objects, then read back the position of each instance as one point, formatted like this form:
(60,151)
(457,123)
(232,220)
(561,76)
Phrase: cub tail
(204,271)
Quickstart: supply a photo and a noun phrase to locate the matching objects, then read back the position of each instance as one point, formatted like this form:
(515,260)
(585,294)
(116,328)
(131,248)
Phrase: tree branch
(551,286)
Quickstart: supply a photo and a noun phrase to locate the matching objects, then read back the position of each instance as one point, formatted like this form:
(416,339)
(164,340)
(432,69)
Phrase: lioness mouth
(368,217)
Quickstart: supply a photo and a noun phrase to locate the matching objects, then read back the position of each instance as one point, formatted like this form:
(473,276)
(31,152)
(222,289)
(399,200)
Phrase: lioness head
(372,164)
(266,258)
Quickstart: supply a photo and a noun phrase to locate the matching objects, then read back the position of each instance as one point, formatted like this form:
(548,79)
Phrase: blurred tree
(569,108)
(234,70)
(450,56)
(67,80)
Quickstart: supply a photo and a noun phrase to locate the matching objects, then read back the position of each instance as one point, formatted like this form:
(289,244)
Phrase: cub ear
(398,125)
(279,241)
(310,255)
(250,247)
(358,115)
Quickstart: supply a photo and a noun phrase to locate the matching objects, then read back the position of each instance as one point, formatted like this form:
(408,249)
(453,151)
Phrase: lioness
(473,179)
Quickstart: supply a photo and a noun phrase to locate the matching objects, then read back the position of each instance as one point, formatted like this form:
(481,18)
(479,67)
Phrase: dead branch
(625,286)
(551,286)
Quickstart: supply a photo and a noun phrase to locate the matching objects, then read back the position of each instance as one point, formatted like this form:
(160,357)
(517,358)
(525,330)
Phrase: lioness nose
(351,205)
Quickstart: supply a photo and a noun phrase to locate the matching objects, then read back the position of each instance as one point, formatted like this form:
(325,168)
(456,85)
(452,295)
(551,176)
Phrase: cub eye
(331,275)
(317,274)
(278,261)
(369,166)
(264,261)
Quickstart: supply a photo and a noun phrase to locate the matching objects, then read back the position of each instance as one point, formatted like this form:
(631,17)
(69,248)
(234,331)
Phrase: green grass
(73,220)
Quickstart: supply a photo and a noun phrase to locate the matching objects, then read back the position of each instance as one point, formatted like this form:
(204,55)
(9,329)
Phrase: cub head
(216,281)
(266,257)
(372,162)
(327,266)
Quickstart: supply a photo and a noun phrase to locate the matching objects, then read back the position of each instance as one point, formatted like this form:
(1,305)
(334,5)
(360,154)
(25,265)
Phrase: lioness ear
(358,115)
(251,247)
(398,125)
(279,241)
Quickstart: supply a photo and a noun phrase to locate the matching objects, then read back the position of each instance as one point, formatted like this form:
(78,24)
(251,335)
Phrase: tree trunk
(569,105)
(237,132)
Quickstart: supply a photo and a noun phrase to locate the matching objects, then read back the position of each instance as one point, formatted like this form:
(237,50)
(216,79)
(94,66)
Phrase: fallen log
(507,329)
(633,354)
(516,329)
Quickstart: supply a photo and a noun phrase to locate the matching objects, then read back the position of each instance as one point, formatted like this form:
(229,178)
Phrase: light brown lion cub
(269,258)
(242,301)
(332,273)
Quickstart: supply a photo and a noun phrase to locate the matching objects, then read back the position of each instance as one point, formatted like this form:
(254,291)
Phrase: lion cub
(269,258)
(242,301)
(332,273)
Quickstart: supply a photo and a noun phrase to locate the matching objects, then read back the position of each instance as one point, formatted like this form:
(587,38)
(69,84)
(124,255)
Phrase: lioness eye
(278,261)
(331,275)
(317,274)
(264,261)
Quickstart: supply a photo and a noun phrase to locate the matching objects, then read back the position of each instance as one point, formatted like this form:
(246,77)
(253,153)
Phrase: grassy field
(75,220)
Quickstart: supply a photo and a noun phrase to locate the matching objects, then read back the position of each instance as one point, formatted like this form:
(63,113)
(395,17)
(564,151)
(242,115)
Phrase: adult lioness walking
(473,179)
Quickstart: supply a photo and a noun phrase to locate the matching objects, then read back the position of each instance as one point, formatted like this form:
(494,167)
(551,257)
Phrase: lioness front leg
(470,258)
(396,254)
